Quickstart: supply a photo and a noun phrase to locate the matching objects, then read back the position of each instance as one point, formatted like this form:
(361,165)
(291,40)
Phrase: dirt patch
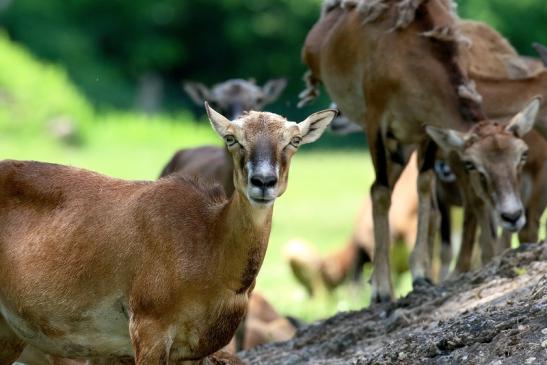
(497,315)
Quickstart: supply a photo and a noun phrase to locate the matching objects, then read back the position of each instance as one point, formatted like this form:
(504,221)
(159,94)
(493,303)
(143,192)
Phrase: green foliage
(522,22)
(108,46)
(33,94)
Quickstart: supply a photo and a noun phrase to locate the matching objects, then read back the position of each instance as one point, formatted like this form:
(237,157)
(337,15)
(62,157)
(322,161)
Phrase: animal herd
(102,270)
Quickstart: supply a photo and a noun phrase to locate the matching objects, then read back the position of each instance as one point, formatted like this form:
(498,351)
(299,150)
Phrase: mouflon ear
(273,89)
(523,122)
(220,123)
(447,139)
(197,91)
(313,126)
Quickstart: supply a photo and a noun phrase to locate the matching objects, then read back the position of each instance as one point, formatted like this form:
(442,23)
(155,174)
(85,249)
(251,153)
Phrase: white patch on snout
(511,203)
(263,168)
(266,168)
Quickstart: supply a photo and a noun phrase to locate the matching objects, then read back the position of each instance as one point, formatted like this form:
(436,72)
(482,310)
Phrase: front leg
(488,238)
(534,208)
(387,173)
(382,289)
(380,192)
(419,259)
(446,236)
(469,231)
(151,340)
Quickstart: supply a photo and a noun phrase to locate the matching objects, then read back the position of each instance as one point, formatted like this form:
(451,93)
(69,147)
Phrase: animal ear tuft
(197,91)
(220,123)
(313,126)
(447,139)
(524,121)
(273,89)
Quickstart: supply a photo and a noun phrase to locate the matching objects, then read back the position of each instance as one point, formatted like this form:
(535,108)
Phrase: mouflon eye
(524,156)
(230,140)
(295,141)
(469,166)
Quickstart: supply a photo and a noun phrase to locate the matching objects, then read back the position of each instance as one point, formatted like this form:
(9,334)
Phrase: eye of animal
(230,140)
(295,141)
(524,156)
(469,166)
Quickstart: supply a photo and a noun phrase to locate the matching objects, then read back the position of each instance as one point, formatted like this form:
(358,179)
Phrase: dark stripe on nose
(263,152)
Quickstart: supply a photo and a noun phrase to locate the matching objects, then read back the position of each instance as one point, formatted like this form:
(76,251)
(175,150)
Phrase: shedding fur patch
(372,9)
(448,34)
(347,5)
(329,5)
(311,92)
(469,91)
(406,10)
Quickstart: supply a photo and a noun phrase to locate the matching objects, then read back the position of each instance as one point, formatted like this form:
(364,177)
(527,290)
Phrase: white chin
(513,227)
(261,202)
(259,196)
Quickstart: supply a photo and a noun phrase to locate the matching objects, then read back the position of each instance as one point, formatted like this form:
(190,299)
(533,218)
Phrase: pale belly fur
(102,331)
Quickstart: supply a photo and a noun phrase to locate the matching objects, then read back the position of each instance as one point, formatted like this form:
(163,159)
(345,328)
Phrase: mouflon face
(262,145)
(494,154)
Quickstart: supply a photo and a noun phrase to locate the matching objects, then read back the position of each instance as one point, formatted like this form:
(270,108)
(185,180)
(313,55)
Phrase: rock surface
(496,315)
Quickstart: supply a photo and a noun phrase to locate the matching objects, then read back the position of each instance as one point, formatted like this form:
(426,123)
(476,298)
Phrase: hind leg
(10,345)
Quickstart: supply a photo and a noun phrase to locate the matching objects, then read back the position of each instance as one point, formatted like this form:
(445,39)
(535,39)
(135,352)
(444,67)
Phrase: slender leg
(488,237)
(434,221)
(469,232)
(382,289)
(11,346)
(534,209)
(151,341)
(446,239)
(419,259)
(473,213)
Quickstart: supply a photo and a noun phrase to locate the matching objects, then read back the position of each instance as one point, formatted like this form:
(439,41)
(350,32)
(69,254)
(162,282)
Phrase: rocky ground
(497,315)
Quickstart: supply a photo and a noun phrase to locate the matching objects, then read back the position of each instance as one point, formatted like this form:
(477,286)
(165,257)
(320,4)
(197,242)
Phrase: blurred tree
(111,48)
(107,46)
(522,22)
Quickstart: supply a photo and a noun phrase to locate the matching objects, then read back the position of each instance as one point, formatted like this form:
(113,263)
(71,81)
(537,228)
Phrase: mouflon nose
(263,181)
(512,217)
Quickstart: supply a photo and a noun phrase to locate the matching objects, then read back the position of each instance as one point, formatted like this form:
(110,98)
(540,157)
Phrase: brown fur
(31,189)
(168,259)
(424,80)
(489,54)
(418,83)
